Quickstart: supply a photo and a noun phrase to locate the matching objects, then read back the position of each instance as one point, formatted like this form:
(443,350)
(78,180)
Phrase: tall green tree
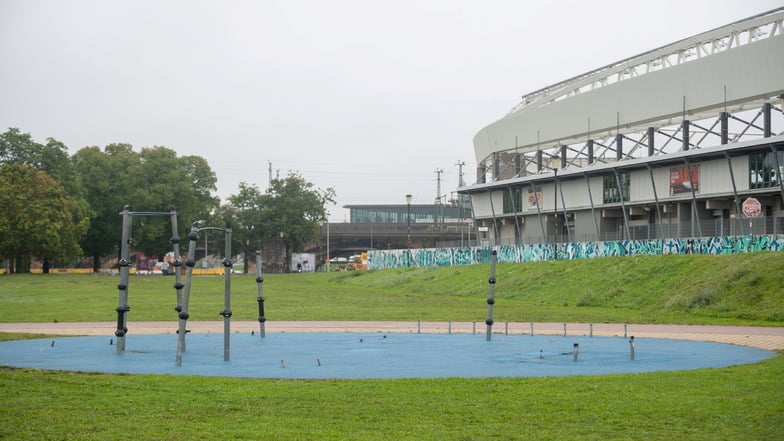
(107,183)
(51,159)
(295,208)
(153,180)
(245,214)
(40,219)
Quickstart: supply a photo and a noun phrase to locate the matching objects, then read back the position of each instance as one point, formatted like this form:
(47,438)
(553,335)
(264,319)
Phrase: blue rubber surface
(374,355)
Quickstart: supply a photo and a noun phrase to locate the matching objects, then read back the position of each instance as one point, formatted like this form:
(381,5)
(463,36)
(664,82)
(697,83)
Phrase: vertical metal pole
(656,200)
(565,214)
(623,205)
(685,134)
(190,262)
(631,347)
(260,296)
(124,264)
(491,295)
(175,240)
(576,351)
(779,176)
(738,209)
(693,198)
(226,313)
(538,210)
(593,207)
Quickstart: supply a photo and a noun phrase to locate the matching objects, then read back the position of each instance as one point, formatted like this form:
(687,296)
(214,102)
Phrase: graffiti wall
(428,257)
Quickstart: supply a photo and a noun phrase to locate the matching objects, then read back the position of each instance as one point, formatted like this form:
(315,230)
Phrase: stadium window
(762,169)
(610,188)
(513,200)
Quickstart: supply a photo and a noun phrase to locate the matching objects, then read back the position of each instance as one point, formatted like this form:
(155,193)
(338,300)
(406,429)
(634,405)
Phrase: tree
(40,219)
(245,214)
(107,184)
(61,182)
(153,180)
(295,207)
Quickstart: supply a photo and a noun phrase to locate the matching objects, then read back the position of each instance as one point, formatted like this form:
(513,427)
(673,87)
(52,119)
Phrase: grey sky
(368,97)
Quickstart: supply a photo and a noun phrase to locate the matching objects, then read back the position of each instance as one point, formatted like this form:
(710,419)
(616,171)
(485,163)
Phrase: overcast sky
(368,97)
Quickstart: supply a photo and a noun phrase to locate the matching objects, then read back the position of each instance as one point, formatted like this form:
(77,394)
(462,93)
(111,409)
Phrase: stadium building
(681,141)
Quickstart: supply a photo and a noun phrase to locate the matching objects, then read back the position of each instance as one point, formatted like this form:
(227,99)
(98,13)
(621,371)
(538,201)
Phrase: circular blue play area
(375,355)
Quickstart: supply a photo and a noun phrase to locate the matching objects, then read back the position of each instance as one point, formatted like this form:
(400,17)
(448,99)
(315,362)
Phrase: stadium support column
(565,213)
(590,151)
(651,141)
(481,174)
(593,207)
(766,127)
(685,132)
(538,210)
(124,265)
(623,204)
(738,210)
(696,215)
(656,200)
(778,170)
(539,164)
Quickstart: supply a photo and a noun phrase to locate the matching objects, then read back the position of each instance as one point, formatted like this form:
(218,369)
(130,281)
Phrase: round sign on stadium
(752,207)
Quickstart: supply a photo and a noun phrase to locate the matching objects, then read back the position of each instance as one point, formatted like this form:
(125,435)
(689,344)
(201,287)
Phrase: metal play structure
(125,264)
(183,290)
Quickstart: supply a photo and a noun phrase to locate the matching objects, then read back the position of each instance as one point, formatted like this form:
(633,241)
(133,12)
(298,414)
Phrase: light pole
(328,260)
(283,246)
(408,221)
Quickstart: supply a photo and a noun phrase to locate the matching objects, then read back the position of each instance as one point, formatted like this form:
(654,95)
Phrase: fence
(429,257)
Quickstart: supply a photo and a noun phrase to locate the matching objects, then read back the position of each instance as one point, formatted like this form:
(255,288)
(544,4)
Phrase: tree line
(60,208)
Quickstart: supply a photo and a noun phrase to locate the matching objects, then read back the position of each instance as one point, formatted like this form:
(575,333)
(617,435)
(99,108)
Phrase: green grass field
(740,402)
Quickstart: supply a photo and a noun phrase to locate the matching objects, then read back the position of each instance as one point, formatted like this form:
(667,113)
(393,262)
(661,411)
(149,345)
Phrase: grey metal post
(175,241)
(190,262)
(226,313)
(491,295)
(260,296)
(124,264)
(631,347)
(576,351)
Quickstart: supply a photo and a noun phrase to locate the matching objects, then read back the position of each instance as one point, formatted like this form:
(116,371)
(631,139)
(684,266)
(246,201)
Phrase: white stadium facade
(682,141)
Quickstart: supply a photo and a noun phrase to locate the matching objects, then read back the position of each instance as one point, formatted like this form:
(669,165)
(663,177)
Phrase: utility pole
(460,183)
(460,165)
(269,170)
(438,196)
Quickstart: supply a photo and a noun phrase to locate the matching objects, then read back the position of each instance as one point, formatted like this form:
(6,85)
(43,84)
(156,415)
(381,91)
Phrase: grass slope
(733,289)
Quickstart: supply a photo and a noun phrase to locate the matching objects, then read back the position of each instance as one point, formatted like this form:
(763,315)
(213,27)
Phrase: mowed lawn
(739,402)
